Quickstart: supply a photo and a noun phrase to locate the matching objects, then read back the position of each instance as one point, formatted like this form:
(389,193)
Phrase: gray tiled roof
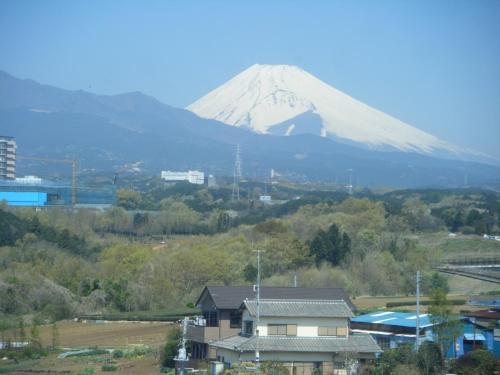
(299,308)
(355,343)
(231,297)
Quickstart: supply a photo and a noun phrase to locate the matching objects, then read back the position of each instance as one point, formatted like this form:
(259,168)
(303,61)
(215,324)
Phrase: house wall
(306,327)
(225,329)
(206,302)
(297,363)
(232,357)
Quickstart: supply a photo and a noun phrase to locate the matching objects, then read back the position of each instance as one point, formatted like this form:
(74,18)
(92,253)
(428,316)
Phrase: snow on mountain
(264,96)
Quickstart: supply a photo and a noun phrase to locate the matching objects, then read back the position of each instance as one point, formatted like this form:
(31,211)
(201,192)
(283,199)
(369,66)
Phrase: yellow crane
(65,161)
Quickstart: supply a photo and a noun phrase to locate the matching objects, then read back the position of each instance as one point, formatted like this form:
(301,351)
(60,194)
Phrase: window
(235,319)
(248,327)
(212,318)
(341,331)
(384,342)
(327,331)
(282,330)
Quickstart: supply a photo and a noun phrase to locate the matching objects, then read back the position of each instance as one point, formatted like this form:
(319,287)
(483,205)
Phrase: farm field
(115,335)
(111,334)
(379,303)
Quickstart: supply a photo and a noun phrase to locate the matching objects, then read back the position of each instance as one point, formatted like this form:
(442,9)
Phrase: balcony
(202,333)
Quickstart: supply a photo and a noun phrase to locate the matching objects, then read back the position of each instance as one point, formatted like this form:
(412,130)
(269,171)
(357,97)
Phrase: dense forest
(161,244)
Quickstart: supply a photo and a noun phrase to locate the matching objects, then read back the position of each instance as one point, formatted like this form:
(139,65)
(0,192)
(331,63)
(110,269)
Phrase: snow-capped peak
(264,96)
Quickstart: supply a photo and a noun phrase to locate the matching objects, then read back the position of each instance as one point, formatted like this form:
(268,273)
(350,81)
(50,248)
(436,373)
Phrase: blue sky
(433,64)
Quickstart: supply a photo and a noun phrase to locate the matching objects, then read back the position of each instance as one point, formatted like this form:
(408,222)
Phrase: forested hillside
(161,245)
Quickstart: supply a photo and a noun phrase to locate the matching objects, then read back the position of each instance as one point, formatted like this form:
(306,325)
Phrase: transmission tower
(236,175)
(349,187)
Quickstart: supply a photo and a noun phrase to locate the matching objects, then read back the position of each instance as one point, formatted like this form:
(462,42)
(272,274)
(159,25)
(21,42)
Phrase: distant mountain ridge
(104,133)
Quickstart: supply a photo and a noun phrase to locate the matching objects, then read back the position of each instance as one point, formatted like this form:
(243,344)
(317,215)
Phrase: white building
(193,177)
(8,148)
(29,180)
(302,334)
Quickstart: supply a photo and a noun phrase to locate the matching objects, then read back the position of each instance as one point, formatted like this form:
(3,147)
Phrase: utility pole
(182,357)
(257,292)
(350,181)
(417,330)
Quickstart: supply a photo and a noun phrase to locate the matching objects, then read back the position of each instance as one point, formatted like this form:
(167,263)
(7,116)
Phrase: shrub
(87,371)
(87,353)
(456,302)
(477,362)
(109,368)
(118,353)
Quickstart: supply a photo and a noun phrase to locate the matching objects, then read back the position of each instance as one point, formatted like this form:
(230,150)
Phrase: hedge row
(423,303)
(167,316)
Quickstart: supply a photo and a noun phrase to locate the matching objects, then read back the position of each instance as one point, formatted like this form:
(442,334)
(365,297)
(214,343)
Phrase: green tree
(171,346)
(429,358)
(250,273)
(117,293)
(390,359)
(458,221)
(35,339)
(21,329)
(434,282)
(476,362)
(223,222)
(55,336)
(128,199)
(446,325)
(331,246)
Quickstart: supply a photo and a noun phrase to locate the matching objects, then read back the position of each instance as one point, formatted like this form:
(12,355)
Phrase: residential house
(303,335)
(220,306)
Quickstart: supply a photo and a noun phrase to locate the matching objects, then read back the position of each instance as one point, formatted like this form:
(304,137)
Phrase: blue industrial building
(391,329)
(24,198)
(48,193)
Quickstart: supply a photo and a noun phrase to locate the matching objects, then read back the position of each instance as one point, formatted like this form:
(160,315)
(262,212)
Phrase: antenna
(417,329)
(235,196)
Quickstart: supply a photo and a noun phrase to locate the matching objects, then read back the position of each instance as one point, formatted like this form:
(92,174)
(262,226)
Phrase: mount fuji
(286,100)
(107,133)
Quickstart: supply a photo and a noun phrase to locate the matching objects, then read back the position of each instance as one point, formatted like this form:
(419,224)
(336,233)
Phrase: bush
(477,362)
(87,371)
(87,353)
(468,230)
(170,349)
(456,302)
(429,358)
(109,368)
(118,353)
(274,368)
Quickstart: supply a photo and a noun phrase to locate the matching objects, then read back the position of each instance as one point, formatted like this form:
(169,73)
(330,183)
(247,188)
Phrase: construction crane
(64,161)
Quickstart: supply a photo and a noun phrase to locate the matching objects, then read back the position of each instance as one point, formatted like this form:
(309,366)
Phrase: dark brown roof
(485,314)
(231,297)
